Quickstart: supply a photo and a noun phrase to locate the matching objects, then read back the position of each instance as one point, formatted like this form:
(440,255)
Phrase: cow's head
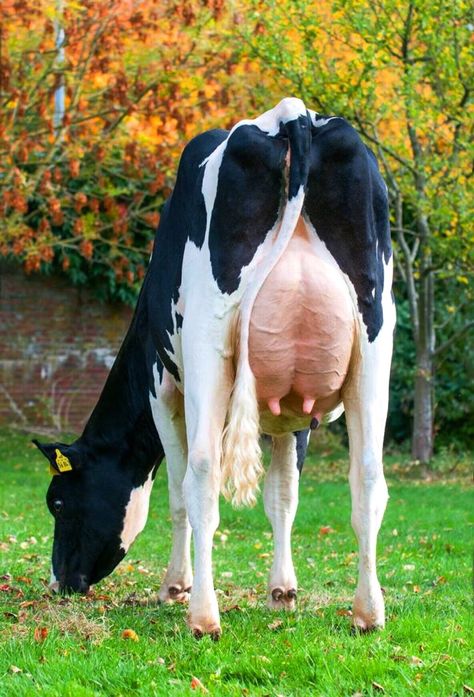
(98,511)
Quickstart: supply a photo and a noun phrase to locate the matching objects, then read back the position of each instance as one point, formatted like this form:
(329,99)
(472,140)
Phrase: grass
(74,647)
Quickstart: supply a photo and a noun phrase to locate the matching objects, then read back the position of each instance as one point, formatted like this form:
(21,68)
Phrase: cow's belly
(301,336)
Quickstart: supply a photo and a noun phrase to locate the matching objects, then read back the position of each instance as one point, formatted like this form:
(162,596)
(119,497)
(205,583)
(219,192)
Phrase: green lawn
(77,650)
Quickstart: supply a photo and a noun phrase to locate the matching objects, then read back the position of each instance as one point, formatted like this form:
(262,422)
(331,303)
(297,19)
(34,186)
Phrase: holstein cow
(267,307)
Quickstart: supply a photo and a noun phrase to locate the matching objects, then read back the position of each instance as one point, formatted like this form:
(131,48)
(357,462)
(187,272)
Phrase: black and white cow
(266,308)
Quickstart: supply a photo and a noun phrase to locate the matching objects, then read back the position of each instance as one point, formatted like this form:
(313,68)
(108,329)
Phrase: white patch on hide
(136,513)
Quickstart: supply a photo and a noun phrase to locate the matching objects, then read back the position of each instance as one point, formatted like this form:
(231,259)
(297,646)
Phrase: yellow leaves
(100,80)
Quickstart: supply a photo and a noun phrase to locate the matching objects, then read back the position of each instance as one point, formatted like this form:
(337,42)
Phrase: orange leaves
(74,168)
(87,248)
(130,634)
(140,80)
(40,633)
(196,684)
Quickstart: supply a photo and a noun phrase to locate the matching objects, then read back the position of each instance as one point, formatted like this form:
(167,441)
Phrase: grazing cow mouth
(77,583)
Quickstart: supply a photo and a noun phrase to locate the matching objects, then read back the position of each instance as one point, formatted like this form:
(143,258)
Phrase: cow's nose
(76,584)
(83,584)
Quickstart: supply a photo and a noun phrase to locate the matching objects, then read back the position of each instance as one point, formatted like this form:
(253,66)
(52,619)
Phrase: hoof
(174,593)
(280,599)
(360,625)
(199,630)
(368,612)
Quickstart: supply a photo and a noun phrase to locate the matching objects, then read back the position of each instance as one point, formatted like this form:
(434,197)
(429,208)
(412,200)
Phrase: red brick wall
(57,344)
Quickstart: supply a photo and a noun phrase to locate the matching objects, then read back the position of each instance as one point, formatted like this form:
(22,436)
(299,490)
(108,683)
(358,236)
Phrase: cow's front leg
(281,502)
(366,401)
(168,414)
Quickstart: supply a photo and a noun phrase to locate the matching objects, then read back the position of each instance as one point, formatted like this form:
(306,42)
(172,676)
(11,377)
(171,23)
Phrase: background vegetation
(81,188)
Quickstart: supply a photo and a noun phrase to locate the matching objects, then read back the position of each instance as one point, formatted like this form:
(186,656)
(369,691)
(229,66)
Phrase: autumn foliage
(81,191)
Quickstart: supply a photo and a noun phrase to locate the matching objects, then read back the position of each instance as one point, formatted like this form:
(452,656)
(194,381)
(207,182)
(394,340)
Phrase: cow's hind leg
(281,502)
(206,401)
(168,414)
(366,401)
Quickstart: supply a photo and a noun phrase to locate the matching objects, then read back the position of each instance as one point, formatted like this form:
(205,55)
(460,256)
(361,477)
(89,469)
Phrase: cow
(266,308)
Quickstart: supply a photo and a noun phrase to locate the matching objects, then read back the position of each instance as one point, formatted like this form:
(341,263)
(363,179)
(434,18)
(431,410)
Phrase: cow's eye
(58,505)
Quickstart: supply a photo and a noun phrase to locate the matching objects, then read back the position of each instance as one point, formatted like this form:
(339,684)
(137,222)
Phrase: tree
(81,191)
(402,73)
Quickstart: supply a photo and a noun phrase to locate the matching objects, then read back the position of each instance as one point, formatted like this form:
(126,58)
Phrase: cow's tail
(241,454)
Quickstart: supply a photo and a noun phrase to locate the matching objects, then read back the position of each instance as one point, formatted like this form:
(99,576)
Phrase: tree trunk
(422,443)
(422,440)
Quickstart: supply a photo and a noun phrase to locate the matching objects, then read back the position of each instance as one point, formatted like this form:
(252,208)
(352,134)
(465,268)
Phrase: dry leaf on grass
(378,687)
(275,625)
(196,684)
(415,661)
(40,633)
(129,634)
(325,530)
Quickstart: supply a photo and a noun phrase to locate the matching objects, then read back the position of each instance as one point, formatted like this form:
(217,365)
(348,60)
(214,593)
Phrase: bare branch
(452,339)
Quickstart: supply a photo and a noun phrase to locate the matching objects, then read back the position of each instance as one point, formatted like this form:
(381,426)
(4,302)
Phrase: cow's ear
(62,457)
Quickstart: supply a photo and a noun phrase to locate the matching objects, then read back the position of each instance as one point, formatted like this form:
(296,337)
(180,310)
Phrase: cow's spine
(241,454)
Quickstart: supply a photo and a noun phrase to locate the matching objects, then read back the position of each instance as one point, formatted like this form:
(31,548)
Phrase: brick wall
(57,344)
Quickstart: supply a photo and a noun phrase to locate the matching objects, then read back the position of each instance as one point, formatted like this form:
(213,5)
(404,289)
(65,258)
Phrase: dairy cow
(267,307)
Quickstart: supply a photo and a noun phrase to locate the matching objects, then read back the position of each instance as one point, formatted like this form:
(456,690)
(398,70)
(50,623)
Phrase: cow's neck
(121,426)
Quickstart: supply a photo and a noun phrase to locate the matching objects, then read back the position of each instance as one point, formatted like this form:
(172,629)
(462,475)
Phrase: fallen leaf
(41,633)
(196,684)
(23,579)
(378,687)
(15,669)
(468,689)
(5,588)
(325,530)
(415,661)
(343,612)
(28,603)
(129,634)
(231,608)
(275,625)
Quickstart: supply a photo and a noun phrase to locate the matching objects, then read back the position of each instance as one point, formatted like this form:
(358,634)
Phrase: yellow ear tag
(62,462)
